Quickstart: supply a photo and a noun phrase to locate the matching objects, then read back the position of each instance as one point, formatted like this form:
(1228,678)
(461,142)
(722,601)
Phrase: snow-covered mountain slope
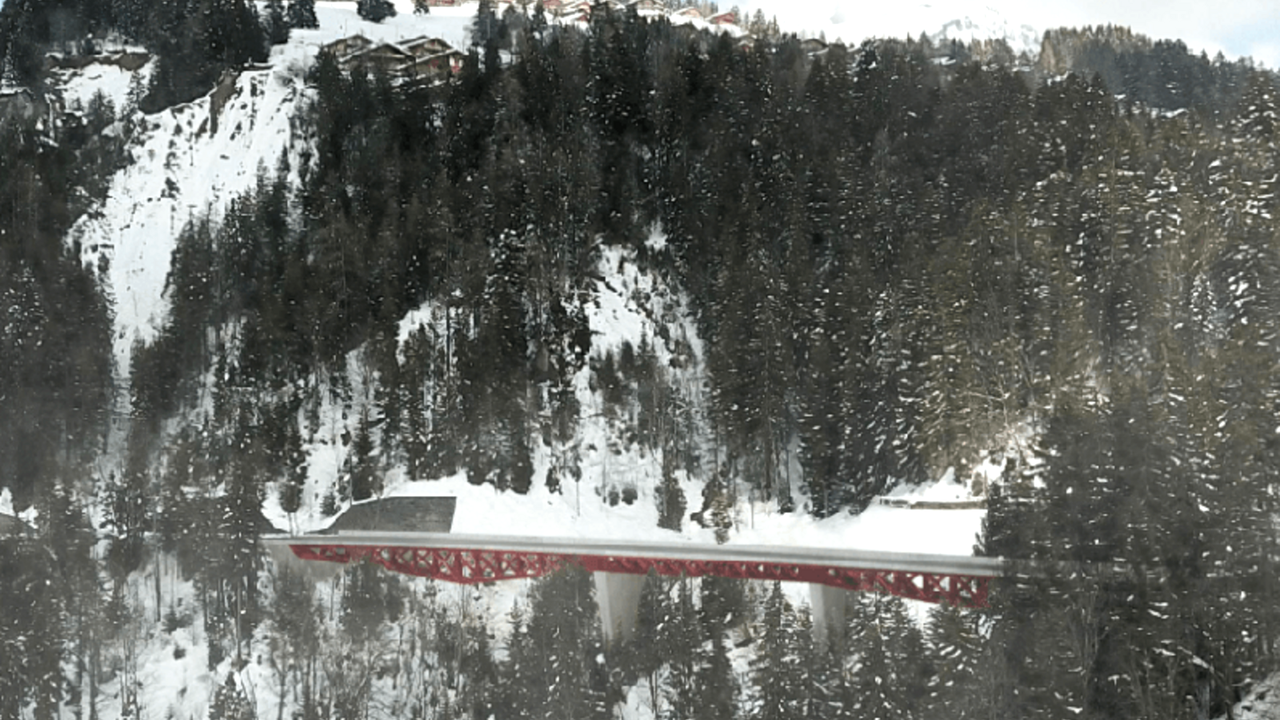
(196,157)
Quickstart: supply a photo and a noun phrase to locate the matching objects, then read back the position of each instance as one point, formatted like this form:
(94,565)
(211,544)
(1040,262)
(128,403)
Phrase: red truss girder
(480,566)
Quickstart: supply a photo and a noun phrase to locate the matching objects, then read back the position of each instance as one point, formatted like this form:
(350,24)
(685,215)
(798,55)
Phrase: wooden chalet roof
(424,46)
(384,50)
(346,46)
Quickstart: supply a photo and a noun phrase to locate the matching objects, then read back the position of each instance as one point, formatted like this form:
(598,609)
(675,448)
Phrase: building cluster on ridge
(428,58)
(581,9)
(421,57)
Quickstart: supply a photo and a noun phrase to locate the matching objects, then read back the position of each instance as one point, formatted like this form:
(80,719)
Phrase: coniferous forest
(897,256)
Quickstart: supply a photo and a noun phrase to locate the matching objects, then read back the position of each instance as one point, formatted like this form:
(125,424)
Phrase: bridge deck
(957,580)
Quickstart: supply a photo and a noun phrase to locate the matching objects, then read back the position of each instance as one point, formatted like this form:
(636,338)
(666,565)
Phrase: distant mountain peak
(990,25)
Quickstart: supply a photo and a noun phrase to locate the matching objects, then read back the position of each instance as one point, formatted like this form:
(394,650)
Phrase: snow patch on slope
(186,161)
(80,86)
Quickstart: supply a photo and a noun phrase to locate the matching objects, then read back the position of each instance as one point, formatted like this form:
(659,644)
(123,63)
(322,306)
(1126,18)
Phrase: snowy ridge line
(852,559)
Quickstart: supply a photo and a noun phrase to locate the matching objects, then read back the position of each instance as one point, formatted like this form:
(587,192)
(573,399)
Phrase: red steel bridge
(470,559)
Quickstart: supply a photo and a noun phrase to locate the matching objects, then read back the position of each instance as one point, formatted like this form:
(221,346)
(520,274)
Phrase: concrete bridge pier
(618,602)
(618,599)
(828,606)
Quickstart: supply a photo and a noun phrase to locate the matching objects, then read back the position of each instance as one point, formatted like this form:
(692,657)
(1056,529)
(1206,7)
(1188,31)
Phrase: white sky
(1235,27)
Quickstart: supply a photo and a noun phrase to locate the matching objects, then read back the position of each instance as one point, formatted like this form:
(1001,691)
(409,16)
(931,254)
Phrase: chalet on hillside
(347,46)
(384,57)
(724,18)
(689,12)
(813,46)
(652,5)
(418,58)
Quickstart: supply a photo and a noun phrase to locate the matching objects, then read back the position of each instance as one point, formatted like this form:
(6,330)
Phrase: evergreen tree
(555,661)
(371,599)
(956,643)
(275,24)
(365,481)
(302,14)
(671,502)
(31,631)
(290,459)
(685,656)
(776,670)
(889,666)
(235,574)
(230,703)
(480,673)
(296,634)
(714,679)
(723,602)
(648,652)
(129,518)
(484,30)
(375,10)
(69,536)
